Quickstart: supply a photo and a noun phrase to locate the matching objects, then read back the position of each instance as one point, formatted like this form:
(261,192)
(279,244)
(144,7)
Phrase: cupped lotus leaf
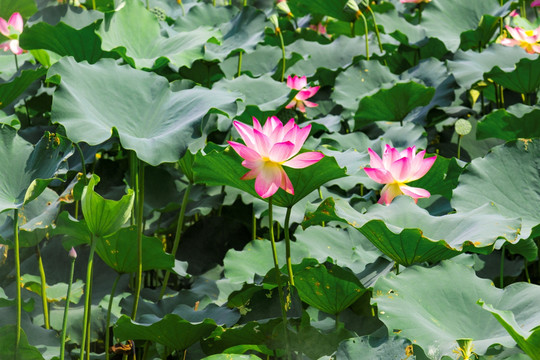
(408,234)
(517,122)
(507,178)
(446,21)
(339,54)
(528,341)
(26,170)
(358,81)
(469,67)
(524,79)
(143,45)
(24,351)
(275,94)
(64,40)
(25,7)
(203,14)
(373,348)
(392,104)
(118,251)
(171,331)
(331,289)
(11,90)
(441,302)
(104,217)
(150,119)
(225,168)
(243,33)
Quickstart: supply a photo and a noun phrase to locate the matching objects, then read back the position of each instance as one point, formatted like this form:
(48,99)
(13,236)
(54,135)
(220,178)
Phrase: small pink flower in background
(514,13)
(527,39)
(414,1)
(535,3)
(12,29)
(267,149)
(395,169)
(319,28)
(300,100)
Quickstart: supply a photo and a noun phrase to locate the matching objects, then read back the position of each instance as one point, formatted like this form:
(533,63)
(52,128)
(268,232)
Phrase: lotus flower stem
(288,245)
(366,30)
(459,147)
(523,9)
(147,5)
(94,4)
(526,265)
(177,236)
(83,164)
(283,56)
(88,289)
(108,321)
(239,64)
(214,3)
(278,278)
(501,274)
(66,310)
(43,289)
(501,97)
(377,32)
(139,196)
(18,281)
(133,182)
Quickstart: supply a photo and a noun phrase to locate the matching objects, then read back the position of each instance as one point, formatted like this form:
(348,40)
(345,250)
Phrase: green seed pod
(463,127)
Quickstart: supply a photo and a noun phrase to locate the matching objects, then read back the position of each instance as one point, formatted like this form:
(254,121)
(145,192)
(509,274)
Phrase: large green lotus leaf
(442,178)
(143,45)
(331,290)
(394,23)
(225,168)
(446,21)
(118,252)
(150,119)
(25,7)
(26,169)
(358,81)
(518,121)
(336,9)
(370,347)
(338,54)
(507,178)
(408,234)
(441,303)
(262,60)
(203,14)
(525,78)
(65,40)
(56,292)
(243,32)
(5,301)
(103,216)
(528,341)
(392,104)
(468,67)
(171,330)
(231,357)
(263,92)
(10,91)
(76,17)
(24,351)
(478,38)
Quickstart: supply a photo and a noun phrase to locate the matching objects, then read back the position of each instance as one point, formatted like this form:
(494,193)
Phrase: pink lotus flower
(300,100)
(535,3)
(396,169)
(12,29)
(414,1)
(268,149)
(527,39)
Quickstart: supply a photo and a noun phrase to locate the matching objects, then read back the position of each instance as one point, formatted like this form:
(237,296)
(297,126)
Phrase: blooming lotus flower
(395,169)
(527,39)
(535,3)
(267,149)
(300,100)
(12,29)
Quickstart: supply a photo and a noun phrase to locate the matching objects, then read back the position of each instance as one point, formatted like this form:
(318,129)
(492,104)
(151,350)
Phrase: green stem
(527,271)
(182,7)
(147,5)
(377,32)
(254,226)
(366,30)
(108,321)
(459,147)
(133,161)
(214,3)
(288,245)
(397,269)
(239,64)
(501,92)
(44,301)
(18,280)
(501,275)
(66,310)
(523,9)
(420,9)
(139,196)
(83,165)
(283,56)
(94,4)
(177,236)
(353,28)
(88,288)
(245,3)
(278,278)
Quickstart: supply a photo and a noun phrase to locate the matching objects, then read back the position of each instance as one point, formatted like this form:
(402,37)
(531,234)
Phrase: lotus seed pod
(463,127)
(72,253)
(159,13)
